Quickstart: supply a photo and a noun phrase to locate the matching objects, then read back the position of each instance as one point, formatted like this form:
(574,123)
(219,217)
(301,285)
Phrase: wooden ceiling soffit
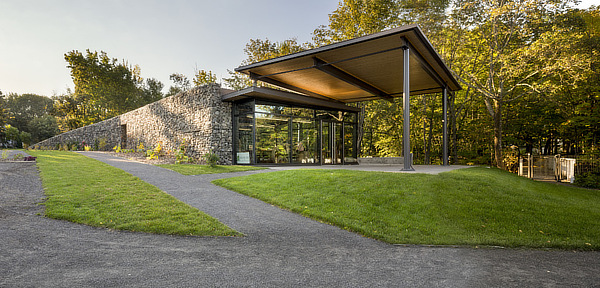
(346,77)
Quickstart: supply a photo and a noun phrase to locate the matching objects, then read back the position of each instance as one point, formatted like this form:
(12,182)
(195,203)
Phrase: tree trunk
(498,134)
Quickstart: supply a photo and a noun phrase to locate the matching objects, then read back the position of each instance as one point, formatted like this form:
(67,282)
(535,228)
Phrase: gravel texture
(281,249)
(12,155)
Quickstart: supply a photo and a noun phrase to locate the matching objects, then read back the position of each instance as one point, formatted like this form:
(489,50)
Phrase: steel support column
(445,128)
(408,161)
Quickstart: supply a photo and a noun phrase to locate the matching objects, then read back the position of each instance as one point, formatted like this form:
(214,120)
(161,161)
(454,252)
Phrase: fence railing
(587,165)
(557,167)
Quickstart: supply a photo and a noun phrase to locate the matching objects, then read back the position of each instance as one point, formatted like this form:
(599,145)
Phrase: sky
(162,37)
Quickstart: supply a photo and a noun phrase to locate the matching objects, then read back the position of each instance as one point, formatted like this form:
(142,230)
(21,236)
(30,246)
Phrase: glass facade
(274,133)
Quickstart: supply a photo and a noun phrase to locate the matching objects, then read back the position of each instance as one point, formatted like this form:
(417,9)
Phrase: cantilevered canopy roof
(365,68)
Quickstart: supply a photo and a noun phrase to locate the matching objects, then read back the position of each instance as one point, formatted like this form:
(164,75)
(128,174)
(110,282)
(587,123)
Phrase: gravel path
(281,250)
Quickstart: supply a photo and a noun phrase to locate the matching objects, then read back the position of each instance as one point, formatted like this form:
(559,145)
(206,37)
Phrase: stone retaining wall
(197,118)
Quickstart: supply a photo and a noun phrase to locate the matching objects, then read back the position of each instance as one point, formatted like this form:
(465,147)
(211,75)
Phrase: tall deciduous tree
(259,50)
(502,29)
(104,87)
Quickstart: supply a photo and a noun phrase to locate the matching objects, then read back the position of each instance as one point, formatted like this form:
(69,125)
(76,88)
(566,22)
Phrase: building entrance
(276,133)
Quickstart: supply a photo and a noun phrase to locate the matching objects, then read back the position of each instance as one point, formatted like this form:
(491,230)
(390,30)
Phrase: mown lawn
(192,169)
(86,191)
(475,206)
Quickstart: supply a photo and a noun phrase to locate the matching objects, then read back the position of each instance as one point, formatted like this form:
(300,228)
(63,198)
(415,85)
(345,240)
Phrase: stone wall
(107,131)
(197,118)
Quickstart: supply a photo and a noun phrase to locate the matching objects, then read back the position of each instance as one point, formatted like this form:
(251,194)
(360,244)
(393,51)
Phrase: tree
(355,18)
(180,84)
(12,136)
(42,128)
(104,87)
(151,91)
(203,77)
(25,139)
(259,50)
(26,107)
(4,115)
(67,112)
(499,32)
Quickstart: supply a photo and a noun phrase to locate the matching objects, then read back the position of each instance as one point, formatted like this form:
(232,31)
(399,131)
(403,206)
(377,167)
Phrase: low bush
(588,180)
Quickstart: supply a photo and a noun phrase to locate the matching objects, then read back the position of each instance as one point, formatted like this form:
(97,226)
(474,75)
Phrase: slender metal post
(445,128)
(406,113)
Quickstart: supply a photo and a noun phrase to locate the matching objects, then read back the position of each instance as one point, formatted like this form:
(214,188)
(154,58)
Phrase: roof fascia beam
(341,75)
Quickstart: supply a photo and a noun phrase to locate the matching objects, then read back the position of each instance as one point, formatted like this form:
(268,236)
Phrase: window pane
(272,139)
(326,143)
(244,139)
(330,115)
(339,142)
(304,141)
(244,107)
(350,117)
(349,143)
(275,109)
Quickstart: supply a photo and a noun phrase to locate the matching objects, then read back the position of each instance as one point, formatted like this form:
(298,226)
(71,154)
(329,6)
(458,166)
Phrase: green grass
(86,191)
(191,169)
(475,206)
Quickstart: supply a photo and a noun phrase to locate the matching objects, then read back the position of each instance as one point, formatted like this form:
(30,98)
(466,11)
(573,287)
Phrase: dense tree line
(529,71)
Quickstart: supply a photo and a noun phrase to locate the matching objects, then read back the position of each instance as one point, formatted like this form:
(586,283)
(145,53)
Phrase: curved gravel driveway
(281,249)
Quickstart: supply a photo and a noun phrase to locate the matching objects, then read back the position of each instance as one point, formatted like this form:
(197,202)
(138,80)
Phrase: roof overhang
(285,97)
(359,69)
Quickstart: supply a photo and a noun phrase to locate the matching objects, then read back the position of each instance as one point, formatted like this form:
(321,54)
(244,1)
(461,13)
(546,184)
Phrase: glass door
(338,143)
(326,143)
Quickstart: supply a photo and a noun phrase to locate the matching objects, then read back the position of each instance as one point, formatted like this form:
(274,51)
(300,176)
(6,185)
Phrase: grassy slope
(475,206)
(190,169)
(83,190)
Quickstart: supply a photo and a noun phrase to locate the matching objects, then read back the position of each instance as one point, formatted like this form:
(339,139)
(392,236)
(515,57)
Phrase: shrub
(588,180)
(180,156)
(102,144)
(156,152)
(211,158)
(140,147)
(25,138)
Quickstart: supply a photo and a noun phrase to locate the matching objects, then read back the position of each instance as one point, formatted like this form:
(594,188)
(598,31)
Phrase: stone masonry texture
(196,117)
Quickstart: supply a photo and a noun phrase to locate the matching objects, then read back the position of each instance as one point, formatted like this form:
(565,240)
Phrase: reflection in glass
(268,132)
(244,139)
(274,109)
(244,107)
(304,141)
(338,141)
(326,149)
(272,139)
(350,143)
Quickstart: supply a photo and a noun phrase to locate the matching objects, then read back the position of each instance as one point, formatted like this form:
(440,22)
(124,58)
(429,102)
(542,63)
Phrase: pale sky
(162,37)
